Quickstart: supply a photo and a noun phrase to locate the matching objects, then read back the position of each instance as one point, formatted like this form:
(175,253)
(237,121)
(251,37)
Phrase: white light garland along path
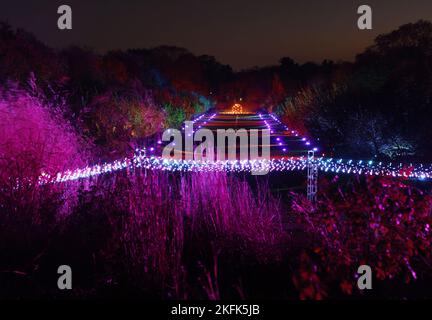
(142,160)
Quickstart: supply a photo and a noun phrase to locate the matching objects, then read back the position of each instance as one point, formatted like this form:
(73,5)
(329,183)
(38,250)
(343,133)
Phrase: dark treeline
(375,107)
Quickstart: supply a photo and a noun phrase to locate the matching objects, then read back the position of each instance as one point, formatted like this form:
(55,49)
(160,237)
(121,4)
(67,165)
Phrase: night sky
(242,33)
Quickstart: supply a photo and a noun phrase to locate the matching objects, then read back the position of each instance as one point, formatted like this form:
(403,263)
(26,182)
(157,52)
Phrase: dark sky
(243,33)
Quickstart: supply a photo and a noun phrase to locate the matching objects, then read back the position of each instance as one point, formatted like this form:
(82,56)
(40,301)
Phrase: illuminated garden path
(288,153)
(284,142)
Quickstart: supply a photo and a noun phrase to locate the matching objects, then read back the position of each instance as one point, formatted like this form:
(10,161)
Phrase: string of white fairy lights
(144,159)
(330,165)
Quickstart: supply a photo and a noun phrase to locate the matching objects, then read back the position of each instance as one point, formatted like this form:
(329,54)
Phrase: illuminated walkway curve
(277,165)
(287,150)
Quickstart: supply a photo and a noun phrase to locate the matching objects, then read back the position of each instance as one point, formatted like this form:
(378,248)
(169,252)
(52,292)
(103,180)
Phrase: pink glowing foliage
(35,137)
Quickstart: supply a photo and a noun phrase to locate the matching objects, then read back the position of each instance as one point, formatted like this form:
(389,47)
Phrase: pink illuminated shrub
(35,139)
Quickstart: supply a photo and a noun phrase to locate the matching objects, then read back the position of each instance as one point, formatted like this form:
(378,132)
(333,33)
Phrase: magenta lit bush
(35,137)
